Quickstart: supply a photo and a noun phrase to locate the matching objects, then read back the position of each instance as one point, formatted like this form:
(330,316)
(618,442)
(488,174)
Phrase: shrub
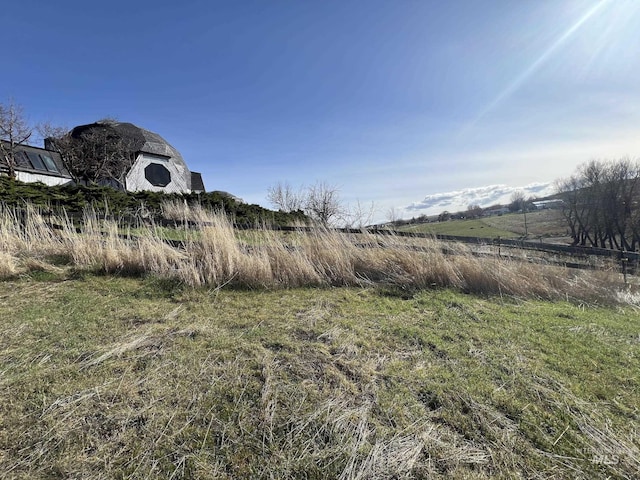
(73,199)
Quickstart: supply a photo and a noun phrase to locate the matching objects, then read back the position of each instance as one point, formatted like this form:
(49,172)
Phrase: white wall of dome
(140,177)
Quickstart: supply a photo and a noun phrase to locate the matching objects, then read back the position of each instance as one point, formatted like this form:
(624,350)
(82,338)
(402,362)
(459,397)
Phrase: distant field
(544,223)
(465,228)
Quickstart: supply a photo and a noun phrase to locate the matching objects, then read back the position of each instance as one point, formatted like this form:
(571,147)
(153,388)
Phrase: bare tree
(285,198)
(320,201)
(359,215)
(601,203)
(474,211)
(517,201)
(14,131)
(48,132)
(93,155)
(392,215)
(569,189)
(323,204)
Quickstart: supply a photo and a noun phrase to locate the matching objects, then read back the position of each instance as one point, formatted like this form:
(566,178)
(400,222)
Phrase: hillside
(545,224)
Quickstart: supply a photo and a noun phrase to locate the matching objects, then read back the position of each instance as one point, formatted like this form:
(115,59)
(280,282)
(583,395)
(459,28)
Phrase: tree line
(321,203)
(601,204)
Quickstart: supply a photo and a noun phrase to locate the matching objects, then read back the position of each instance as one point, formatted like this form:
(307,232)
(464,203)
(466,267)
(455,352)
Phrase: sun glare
(608,24)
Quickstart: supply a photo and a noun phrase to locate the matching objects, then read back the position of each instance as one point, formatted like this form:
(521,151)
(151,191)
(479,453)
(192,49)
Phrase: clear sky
(417,105)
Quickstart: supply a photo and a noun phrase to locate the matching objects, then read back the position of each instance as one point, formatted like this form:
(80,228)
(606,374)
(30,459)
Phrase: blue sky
(419,106)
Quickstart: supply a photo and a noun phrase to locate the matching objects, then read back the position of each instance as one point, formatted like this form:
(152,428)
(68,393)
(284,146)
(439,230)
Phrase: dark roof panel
(197,185)
(138,139)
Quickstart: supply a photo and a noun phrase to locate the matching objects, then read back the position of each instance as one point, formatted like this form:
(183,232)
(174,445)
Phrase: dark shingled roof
(197,185)
(138,140)
(141,140)
(25,164)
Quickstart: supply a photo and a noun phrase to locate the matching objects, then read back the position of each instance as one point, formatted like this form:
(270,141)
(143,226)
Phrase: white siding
(180,175)
(50,180)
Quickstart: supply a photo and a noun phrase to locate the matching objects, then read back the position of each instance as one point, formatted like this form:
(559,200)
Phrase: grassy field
(254,354)
(112,377)
(543,223)
(464,228)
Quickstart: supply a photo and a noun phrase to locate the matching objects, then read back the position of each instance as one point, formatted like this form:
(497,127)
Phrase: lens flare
(529,71)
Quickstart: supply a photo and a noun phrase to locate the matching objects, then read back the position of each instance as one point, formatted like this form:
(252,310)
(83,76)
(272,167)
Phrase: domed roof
(139,139)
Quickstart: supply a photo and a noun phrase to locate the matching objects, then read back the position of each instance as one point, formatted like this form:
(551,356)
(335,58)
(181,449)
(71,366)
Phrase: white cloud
(483,196)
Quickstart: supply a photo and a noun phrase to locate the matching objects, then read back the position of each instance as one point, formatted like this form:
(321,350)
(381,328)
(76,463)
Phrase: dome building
(153,163)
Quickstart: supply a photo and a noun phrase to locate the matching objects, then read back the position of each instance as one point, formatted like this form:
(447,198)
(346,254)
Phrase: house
(33,164)
(548,204)
(495,210)
(155,164)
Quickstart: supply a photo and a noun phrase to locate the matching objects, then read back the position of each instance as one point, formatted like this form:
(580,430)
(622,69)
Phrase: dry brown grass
(8,266)
(26,232)
(181,211)
(215,254)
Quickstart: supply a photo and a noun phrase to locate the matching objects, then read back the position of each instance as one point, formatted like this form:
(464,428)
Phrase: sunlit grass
(212,253)
(464,228)
(112,377)
(541,223)
(232,355)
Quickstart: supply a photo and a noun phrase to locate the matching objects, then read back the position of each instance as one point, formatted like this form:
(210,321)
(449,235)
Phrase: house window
(49,163)
(22,160)
(36,161)
(157,175)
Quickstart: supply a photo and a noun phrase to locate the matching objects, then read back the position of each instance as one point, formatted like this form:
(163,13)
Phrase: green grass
(164,233)
(464,228)
(543,223)
(108,377)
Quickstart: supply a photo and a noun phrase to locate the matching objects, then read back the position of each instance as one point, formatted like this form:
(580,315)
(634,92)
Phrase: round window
(157,175)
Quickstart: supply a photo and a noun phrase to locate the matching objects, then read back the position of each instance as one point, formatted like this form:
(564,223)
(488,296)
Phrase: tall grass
(215,254)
